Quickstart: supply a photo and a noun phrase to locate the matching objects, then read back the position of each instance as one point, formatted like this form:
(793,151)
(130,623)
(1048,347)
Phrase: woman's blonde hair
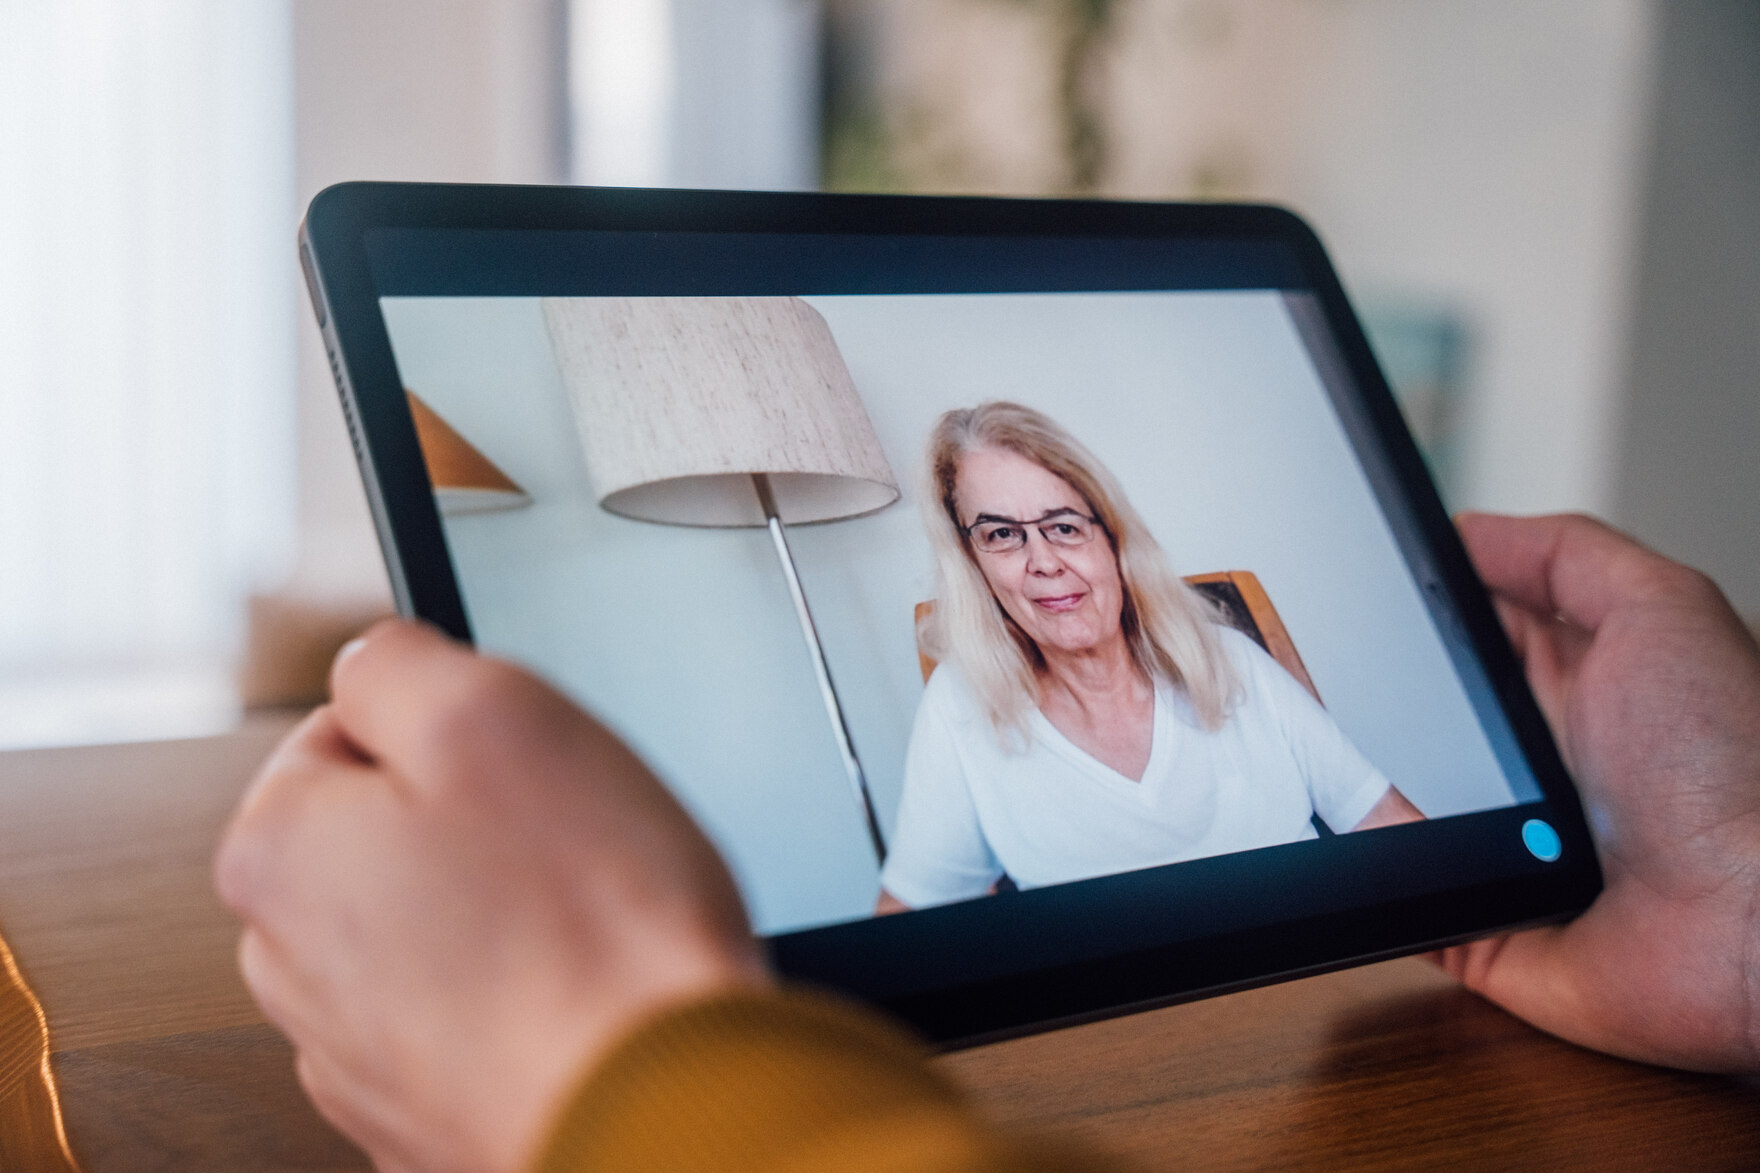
(1169,628)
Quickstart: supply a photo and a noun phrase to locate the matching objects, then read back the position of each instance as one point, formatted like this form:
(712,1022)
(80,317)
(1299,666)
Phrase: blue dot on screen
(1540,839)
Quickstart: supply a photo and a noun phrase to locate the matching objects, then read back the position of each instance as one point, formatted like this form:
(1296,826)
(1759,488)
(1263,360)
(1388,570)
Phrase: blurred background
(1547,211)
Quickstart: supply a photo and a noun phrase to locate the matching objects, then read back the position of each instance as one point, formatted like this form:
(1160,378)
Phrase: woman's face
(1064,597)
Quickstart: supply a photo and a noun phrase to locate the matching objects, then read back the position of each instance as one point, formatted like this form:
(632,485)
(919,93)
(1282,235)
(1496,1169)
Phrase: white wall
(1206,407)
(1690,456)
(146,478)
(1485,155)
(747,106)
(470,91)
(695,93)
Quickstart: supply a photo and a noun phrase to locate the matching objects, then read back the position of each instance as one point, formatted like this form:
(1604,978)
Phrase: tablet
(1041,604)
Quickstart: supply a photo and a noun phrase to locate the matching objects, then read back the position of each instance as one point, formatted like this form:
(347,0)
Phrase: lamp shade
(464,480)
(679,400)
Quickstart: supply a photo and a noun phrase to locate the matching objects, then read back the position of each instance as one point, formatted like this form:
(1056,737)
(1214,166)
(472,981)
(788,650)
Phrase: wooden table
(166,1065)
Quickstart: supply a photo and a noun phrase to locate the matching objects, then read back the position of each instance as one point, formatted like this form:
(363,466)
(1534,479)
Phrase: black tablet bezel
(971,972)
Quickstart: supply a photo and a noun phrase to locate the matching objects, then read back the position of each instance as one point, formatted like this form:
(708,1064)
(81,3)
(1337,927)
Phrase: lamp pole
(852,765)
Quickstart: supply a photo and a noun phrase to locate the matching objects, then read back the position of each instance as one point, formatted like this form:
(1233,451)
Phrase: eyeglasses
(1004,535)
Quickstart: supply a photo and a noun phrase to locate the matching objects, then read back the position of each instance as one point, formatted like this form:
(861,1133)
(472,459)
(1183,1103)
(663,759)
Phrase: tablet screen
(1107,646)
(1206,414)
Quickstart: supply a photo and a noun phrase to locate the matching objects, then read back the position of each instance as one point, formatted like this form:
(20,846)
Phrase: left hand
(458,892)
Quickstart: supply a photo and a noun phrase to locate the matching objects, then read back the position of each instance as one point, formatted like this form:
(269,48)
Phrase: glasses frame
(1039,523)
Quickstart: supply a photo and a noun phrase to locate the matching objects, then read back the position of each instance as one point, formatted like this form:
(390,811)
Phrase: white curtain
(695,93)
(146,357)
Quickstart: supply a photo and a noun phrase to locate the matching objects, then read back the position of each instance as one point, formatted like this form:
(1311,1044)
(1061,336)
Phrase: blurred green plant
(1081,28)
(857,151)
(859,141)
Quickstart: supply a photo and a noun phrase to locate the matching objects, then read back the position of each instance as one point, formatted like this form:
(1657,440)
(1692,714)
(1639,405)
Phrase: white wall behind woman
(684,639)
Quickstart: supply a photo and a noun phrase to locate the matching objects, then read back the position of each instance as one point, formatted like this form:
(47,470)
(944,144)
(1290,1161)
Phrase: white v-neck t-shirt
(974,808)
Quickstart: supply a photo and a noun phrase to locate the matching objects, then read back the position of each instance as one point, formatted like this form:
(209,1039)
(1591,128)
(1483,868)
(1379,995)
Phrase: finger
(346,1105)
(286,998)
(317,738)
(1530,975)
(1518,624)
(390,668)
(315,748)
(385,637)
(405,687)
(1543,645)
(1569,566)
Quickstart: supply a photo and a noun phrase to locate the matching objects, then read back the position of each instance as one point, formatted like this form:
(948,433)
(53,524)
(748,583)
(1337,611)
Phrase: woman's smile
(1060,603)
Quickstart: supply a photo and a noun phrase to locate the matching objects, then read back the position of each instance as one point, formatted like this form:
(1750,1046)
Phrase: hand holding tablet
(1653,687)
(459,892)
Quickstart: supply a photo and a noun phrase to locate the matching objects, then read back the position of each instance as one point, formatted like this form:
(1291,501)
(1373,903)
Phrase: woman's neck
(1094,678)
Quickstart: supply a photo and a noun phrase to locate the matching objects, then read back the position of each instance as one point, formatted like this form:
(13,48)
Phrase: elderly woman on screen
(1090,714)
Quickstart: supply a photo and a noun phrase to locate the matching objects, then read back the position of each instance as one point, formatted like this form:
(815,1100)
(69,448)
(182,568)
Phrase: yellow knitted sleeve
(784,1082)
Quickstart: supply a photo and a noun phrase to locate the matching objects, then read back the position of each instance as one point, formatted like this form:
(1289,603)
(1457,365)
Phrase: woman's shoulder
(1264,681)
(949,711)
(1243,650)
(1243,655)
(949,692)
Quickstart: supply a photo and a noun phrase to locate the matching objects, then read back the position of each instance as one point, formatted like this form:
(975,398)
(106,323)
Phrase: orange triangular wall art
(465,481)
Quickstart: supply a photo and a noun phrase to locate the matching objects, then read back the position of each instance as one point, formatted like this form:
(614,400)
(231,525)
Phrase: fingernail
(350,648)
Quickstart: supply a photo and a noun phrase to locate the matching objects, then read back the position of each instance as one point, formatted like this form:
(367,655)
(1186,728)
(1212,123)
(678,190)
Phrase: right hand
(1652,687)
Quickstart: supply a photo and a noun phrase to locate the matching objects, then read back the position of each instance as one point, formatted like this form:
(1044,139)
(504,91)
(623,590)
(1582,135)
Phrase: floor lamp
(725,412)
